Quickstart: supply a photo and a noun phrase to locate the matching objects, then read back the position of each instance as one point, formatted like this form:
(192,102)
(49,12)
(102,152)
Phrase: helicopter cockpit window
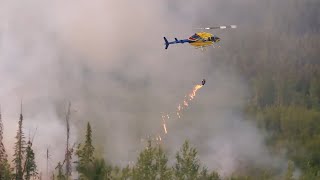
(195,36)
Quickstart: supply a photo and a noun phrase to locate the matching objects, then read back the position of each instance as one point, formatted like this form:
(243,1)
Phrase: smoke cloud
(108,59)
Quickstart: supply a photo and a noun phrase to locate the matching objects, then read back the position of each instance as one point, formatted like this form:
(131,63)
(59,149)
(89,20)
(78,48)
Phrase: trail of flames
(194,91)
(158,138)
(164,123)
(165,128)
(182,106)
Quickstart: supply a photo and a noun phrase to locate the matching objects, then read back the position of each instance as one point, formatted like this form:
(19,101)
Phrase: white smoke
(108,59)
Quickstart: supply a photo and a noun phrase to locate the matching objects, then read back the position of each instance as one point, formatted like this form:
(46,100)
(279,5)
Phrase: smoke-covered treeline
(152,163)
(282,67)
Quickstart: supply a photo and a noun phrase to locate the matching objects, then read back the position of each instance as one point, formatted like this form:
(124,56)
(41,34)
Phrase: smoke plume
(108,59)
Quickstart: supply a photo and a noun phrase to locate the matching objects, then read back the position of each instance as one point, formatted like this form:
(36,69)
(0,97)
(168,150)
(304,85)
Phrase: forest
(282,71)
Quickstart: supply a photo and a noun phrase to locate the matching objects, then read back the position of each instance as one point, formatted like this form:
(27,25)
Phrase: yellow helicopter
(200,39)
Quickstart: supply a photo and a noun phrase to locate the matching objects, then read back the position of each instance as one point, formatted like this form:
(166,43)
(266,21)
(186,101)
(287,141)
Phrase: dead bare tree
(68,152)
(47,175)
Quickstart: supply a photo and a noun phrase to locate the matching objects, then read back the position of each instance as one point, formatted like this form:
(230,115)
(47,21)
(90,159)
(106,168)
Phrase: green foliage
(30,164)
(295,128)
(310,173)
(5,170)
(126,173)
(188,164)
(205,175)
(19,151)
(116,173)
(264,91)
(96,170)
(163,172)
(85,153)
(241,178)
(285,96)
(145,167)
(315,91)
(152,164)
(60,175)
(289,173)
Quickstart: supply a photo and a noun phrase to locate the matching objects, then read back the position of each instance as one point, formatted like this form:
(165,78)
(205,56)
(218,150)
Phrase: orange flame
(178,114)
(194,91)
(165,128)
(181,107)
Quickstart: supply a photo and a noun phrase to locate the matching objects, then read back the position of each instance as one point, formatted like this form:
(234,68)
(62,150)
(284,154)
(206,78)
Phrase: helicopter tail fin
(166,42)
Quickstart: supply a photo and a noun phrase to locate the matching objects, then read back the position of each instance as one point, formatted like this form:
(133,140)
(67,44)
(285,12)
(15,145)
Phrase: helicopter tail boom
(175,42)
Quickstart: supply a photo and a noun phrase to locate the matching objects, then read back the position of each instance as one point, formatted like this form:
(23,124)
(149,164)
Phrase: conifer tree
(96,170)
(163,171)
(289,173)
(19,151)
(5,172)
(85,152)
(126,173)
(30,164)
(116,173)
(152,164)
(187,165)
(311,173)
(145,167)
(205,175)
(3,154)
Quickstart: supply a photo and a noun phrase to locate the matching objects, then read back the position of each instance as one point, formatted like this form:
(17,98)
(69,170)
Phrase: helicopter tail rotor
(166,42)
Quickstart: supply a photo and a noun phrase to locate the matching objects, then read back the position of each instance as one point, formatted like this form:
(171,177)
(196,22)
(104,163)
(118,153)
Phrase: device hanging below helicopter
(203,82)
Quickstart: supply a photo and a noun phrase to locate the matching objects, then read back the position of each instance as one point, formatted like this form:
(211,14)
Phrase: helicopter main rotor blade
(220,27)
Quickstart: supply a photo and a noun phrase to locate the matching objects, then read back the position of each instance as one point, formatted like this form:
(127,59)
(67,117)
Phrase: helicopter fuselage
(200,39)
